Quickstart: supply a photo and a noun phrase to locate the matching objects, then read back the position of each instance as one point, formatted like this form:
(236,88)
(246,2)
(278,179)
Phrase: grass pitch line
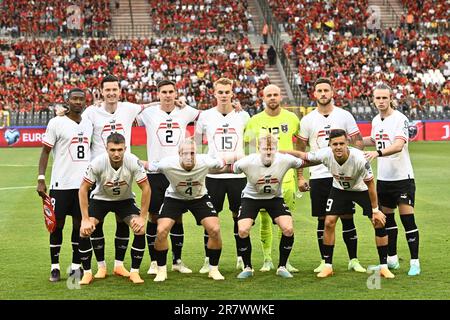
(14,188)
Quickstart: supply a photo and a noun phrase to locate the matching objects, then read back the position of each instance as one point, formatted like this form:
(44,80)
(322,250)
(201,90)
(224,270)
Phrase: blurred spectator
(272,56)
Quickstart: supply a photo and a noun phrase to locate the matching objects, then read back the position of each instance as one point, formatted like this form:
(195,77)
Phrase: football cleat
(414,270)
(181,267)
(267,266)
(246,273)
(291,268)
(386,273)
(394,265)
(320,267)
(161,274)
(135,278)
(205,268)
(121,271)
(327,271)
(356,266)
(153,268)
(101,273)
(283,272)
(55,275)
(87,278)
(215,274)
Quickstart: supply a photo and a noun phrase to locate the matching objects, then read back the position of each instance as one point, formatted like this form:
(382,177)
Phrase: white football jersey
(349,176)
(70,143)
(165,131)
(111,184)
(106,123)
(265,182)
(384,133)
(186,185)
(315,130)
(225,134)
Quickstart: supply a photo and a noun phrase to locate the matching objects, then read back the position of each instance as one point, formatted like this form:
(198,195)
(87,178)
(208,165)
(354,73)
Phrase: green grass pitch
(25,263)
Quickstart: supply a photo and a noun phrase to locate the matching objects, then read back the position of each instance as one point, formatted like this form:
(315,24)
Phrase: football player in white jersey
(395,177)
(165,125)
(353,182)
(69,138)
(112,116)
(265,172)
(113,174)
(186,174)
(224,129)
(314,131)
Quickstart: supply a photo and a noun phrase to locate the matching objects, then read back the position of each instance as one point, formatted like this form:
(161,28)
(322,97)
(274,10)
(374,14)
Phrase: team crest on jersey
(367,165)
(284,128)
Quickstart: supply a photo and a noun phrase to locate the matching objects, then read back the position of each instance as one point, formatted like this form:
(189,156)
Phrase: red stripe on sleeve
(353,133)
(47,144)
(142,180)
(88,181)
(402,138)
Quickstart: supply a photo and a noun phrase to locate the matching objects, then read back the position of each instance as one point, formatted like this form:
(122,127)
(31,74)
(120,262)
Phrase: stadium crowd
(417,67)
(53,18)
(200,16)
(38,72)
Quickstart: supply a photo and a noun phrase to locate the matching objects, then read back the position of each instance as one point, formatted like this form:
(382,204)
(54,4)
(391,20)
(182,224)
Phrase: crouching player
(113,173)
(353,181)
(265,172)
(186,174)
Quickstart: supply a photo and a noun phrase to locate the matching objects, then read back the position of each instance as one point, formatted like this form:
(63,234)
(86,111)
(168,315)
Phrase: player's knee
(162,232)
(288,231)
(243,232)
(330,224)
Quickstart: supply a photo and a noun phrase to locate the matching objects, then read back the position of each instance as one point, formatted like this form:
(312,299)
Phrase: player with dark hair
(69,137)
(113,174)
(353,182)
(111,116)
(165,124)
(314,131)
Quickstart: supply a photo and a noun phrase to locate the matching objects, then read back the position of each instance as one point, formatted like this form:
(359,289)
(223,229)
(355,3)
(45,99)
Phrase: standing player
(315,128)
(113,173)
(285,126)
(69,137)
(165,125)
(112,116)
(395,177)
(352,183)
(224,128)
(186,174)
(265,171)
